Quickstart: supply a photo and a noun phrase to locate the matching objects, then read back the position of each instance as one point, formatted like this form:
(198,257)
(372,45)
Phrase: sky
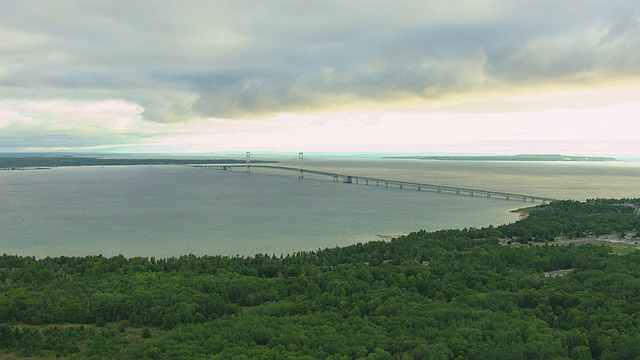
(420,77)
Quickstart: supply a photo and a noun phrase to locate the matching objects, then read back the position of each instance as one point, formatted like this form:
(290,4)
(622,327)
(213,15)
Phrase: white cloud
(251,58)
(116,73)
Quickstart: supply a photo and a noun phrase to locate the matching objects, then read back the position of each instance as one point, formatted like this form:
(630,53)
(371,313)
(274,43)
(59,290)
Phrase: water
(558,180)
(166,211)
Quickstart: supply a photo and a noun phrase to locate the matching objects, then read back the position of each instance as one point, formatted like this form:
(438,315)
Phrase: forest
(450,294)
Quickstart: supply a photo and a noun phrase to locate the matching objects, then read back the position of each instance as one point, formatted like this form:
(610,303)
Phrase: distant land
(39,162)
(522,157)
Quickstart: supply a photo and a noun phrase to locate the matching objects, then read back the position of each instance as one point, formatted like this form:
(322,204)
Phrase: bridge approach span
(365,180)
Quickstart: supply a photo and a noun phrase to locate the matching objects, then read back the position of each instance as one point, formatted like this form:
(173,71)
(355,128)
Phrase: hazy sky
(493,76)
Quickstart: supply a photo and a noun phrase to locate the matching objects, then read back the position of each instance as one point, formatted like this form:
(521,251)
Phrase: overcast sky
(494,76)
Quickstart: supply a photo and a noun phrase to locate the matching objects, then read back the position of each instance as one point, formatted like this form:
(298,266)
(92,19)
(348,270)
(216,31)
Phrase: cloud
(143,75)
(607,51)
(70,125)
(196,60)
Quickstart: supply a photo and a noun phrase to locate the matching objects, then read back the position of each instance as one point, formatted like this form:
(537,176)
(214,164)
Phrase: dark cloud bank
(252,58)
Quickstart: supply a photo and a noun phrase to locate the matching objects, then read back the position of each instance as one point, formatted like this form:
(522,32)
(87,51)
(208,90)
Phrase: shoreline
(390,237)
(25,168)
(523,212)
(512,158)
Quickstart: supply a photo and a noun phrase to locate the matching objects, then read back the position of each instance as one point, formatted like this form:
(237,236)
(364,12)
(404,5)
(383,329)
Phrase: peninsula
(31,162)
(522,157)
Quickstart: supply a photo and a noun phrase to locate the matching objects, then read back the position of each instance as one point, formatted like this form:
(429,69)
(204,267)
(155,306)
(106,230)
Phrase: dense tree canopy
(452,294)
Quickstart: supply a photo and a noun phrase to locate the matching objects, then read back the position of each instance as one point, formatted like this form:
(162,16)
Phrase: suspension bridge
(372,181)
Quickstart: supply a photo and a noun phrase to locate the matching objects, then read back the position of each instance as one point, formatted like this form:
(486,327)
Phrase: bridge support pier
(300,165)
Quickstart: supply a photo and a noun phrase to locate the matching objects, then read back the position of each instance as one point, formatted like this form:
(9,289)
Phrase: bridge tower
(248,161)
(300,165)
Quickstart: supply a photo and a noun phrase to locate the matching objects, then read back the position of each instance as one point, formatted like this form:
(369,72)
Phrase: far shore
(521,157)
(45,162)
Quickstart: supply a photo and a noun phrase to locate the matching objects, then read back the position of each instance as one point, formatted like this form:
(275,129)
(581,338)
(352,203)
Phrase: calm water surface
(173,210)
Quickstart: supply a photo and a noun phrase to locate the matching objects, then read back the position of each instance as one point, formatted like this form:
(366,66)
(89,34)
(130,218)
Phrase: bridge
(372,181)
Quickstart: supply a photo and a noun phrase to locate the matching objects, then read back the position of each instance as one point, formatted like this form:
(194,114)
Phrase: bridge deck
(356,179)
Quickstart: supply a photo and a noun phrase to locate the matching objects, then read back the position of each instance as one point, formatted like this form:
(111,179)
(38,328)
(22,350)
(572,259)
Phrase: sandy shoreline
(523,212)
(389,237)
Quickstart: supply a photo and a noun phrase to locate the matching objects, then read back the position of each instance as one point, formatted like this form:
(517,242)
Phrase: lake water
(167,211)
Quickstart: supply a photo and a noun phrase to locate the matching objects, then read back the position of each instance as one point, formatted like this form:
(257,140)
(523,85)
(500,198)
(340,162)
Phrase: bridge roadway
(356,179)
